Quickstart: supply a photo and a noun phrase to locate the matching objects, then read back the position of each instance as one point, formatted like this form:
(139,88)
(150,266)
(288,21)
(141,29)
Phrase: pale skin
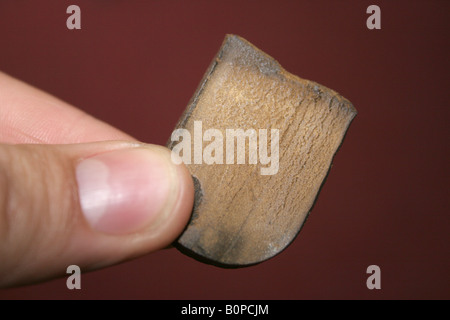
(44,226)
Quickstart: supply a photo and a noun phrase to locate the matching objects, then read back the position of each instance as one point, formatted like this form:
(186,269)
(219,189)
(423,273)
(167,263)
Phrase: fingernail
(125,190)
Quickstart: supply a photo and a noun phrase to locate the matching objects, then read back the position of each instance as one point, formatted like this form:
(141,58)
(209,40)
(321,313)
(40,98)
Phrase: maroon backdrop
(135,64)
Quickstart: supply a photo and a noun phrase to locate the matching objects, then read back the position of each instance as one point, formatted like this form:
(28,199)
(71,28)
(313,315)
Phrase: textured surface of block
(241,216)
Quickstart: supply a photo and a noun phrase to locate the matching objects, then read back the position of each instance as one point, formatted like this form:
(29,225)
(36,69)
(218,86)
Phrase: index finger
(29,115)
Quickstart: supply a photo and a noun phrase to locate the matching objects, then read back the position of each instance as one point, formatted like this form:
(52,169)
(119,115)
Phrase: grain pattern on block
(247,213)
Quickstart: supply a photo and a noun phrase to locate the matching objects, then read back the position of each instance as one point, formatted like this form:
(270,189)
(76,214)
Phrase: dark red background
(135,64)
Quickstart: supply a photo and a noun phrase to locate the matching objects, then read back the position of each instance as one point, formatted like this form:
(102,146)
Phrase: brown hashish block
(248,209)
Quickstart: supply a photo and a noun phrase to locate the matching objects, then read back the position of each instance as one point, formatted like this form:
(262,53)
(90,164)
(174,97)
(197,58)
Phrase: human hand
(74,190)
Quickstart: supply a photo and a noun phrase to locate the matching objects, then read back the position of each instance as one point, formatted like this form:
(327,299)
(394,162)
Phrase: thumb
(91,205)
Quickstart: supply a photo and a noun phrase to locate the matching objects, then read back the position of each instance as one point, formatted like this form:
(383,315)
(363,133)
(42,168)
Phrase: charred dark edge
(192,254)
(198,196)
(198,92)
